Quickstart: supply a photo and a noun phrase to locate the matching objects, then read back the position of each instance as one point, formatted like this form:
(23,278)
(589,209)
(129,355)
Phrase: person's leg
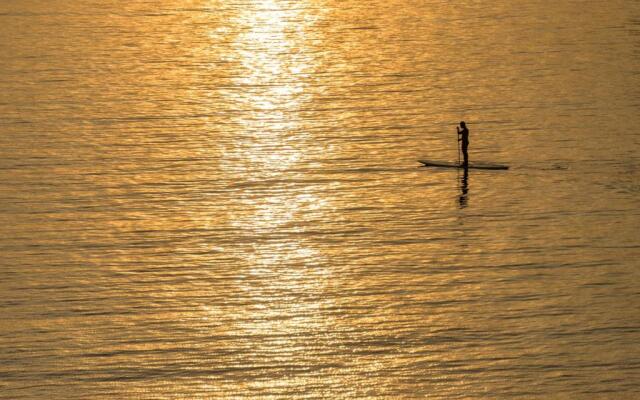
(465,154)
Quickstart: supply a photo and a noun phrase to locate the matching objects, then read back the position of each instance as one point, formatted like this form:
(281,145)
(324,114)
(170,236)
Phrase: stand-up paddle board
(447,164)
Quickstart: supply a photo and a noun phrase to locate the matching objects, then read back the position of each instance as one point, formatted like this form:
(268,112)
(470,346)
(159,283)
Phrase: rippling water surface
(221,199)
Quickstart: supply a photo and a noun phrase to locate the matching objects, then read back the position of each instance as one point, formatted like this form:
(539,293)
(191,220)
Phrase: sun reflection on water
(284,274)
(274,66)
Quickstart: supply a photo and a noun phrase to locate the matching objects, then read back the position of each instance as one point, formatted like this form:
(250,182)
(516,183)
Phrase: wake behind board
(447,164)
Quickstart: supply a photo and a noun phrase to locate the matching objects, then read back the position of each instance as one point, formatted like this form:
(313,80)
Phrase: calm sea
(220,199)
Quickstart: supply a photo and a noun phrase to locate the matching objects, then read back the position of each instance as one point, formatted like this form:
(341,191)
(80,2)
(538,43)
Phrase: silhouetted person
(463,136)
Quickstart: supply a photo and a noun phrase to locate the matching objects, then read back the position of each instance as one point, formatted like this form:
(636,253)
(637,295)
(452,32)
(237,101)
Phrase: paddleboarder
(463,136)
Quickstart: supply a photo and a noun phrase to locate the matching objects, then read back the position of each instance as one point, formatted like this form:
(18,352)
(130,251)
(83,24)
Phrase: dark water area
(222,199)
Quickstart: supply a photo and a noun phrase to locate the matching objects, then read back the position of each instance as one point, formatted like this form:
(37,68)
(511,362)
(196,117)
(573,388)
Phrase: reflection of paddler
(464,188)
(463,136)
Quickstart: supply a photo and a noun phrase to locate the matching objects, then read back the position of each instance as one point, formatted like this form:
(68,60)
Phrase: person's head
(462,124)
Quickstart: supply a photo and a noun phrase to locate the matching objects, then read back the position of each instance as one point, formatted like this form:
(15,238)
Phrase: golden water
(221,199)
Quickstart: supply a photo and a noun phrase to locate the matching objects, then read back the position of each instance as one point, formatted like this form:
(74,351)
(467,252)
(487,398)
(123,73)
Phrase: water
(221,199)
